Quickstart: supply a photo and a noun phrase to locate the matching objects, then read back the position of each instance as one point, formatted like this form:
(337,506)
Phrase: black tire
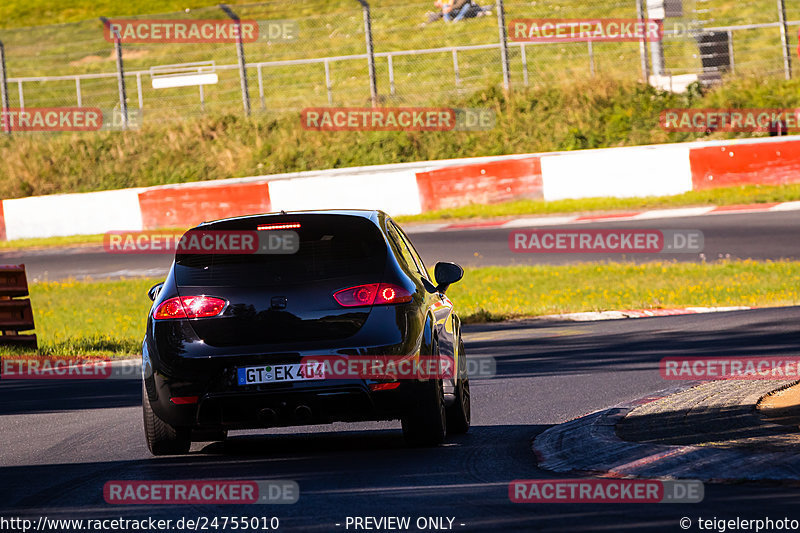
(426,423)
(162,438)
(459,413)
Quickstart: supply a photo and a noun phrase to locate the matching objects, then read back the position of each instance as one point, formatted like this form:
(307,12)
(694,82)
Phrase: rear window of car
(330,246)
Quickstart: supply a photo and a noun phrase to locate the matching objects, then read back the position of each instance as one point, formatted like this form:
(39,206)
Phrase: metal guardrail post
(240,56)
(501,25)
(4,102)
(123,96)
(373,83)
(643,43)
(787,53)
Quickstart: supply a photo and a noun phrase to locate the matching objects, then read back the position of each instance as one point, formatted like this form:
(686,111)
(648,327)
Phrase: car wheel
(162,438)
(426,424)
(459,413)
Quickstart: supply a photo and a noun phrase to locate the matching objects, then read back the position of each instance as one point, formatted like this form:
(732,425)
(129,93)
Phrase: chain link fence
(317,53)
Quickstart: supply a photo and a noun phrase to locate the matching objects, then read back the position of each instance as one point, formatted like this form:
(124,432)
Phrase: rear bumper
(310,405)
(223,404)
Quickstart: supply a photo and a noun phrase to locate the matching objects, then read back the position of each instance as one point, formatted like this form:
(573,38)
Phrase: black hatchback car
(228,333)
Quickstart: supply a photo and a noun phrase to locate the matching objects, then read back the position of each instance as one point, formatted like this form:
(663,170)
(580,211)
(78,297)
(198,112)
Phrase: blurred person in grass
(456,10)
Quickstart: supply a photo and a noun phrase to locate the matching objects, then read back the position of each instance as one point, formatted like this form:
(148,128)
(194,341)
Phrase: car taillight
(189,307)
(384,386)
(184,400)
(372,294)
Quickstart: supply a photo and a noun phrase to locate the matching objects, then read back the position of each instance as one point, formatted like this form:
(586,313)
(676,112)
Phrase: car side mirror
(446,274)
(154,290)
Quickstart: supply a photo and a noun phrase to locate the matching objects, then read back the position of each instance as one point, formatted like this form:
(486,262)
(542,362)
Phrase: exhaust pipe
(268,416)
(302,413)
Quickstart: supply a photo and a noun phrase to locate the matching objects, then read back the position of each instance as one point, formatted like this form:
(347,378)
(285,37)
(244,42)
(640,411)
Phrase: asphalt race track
(756,236)
(62,440)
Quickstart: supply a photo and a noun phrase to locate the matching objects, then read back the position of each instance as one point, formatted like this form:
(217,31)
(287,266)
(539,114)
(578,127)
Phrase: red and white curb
(592,316)
(590,444)
(533,222)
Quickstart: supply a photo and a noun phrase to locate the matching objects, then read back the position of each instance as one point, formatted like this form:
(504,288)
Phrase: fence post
(4,102)
(123,97)
(139,90)
(240,56)
(643,43)
(656,10)
(390,64)
(328,81)
(455,68)
(373,83)
(261,87)
(730,52)
(787,53)
(501,25)
(524,57)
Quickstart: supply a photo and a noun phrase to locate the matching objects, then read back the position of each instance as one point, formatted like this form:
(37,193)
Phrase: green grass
(108,317)
(749,194)
(569,116)
(90,317)
(495,293)
(52,242)
(334,28)
(66,240)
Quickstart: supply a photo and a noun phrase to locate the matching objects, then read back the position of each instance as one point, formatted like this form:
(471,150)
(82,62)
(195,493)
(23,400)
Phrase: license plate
(253,375)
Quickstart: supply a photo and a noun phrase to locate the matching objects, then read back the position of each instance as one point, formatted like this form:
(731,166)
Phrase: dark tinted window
(412,250)
(405,252)
(330,246)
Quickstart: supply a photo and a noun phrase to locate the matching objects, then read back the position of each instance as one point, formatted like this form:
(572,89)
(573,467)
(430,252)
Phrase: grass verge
(89,317)
(108,317)
(570,115)
(498,293)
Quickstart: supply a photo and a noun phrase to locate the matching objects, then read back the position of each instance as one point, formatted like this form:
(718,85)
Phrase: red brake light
(372,294)
(171,308)
(384,386)
(184,400)
(189,307)
(286,225)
